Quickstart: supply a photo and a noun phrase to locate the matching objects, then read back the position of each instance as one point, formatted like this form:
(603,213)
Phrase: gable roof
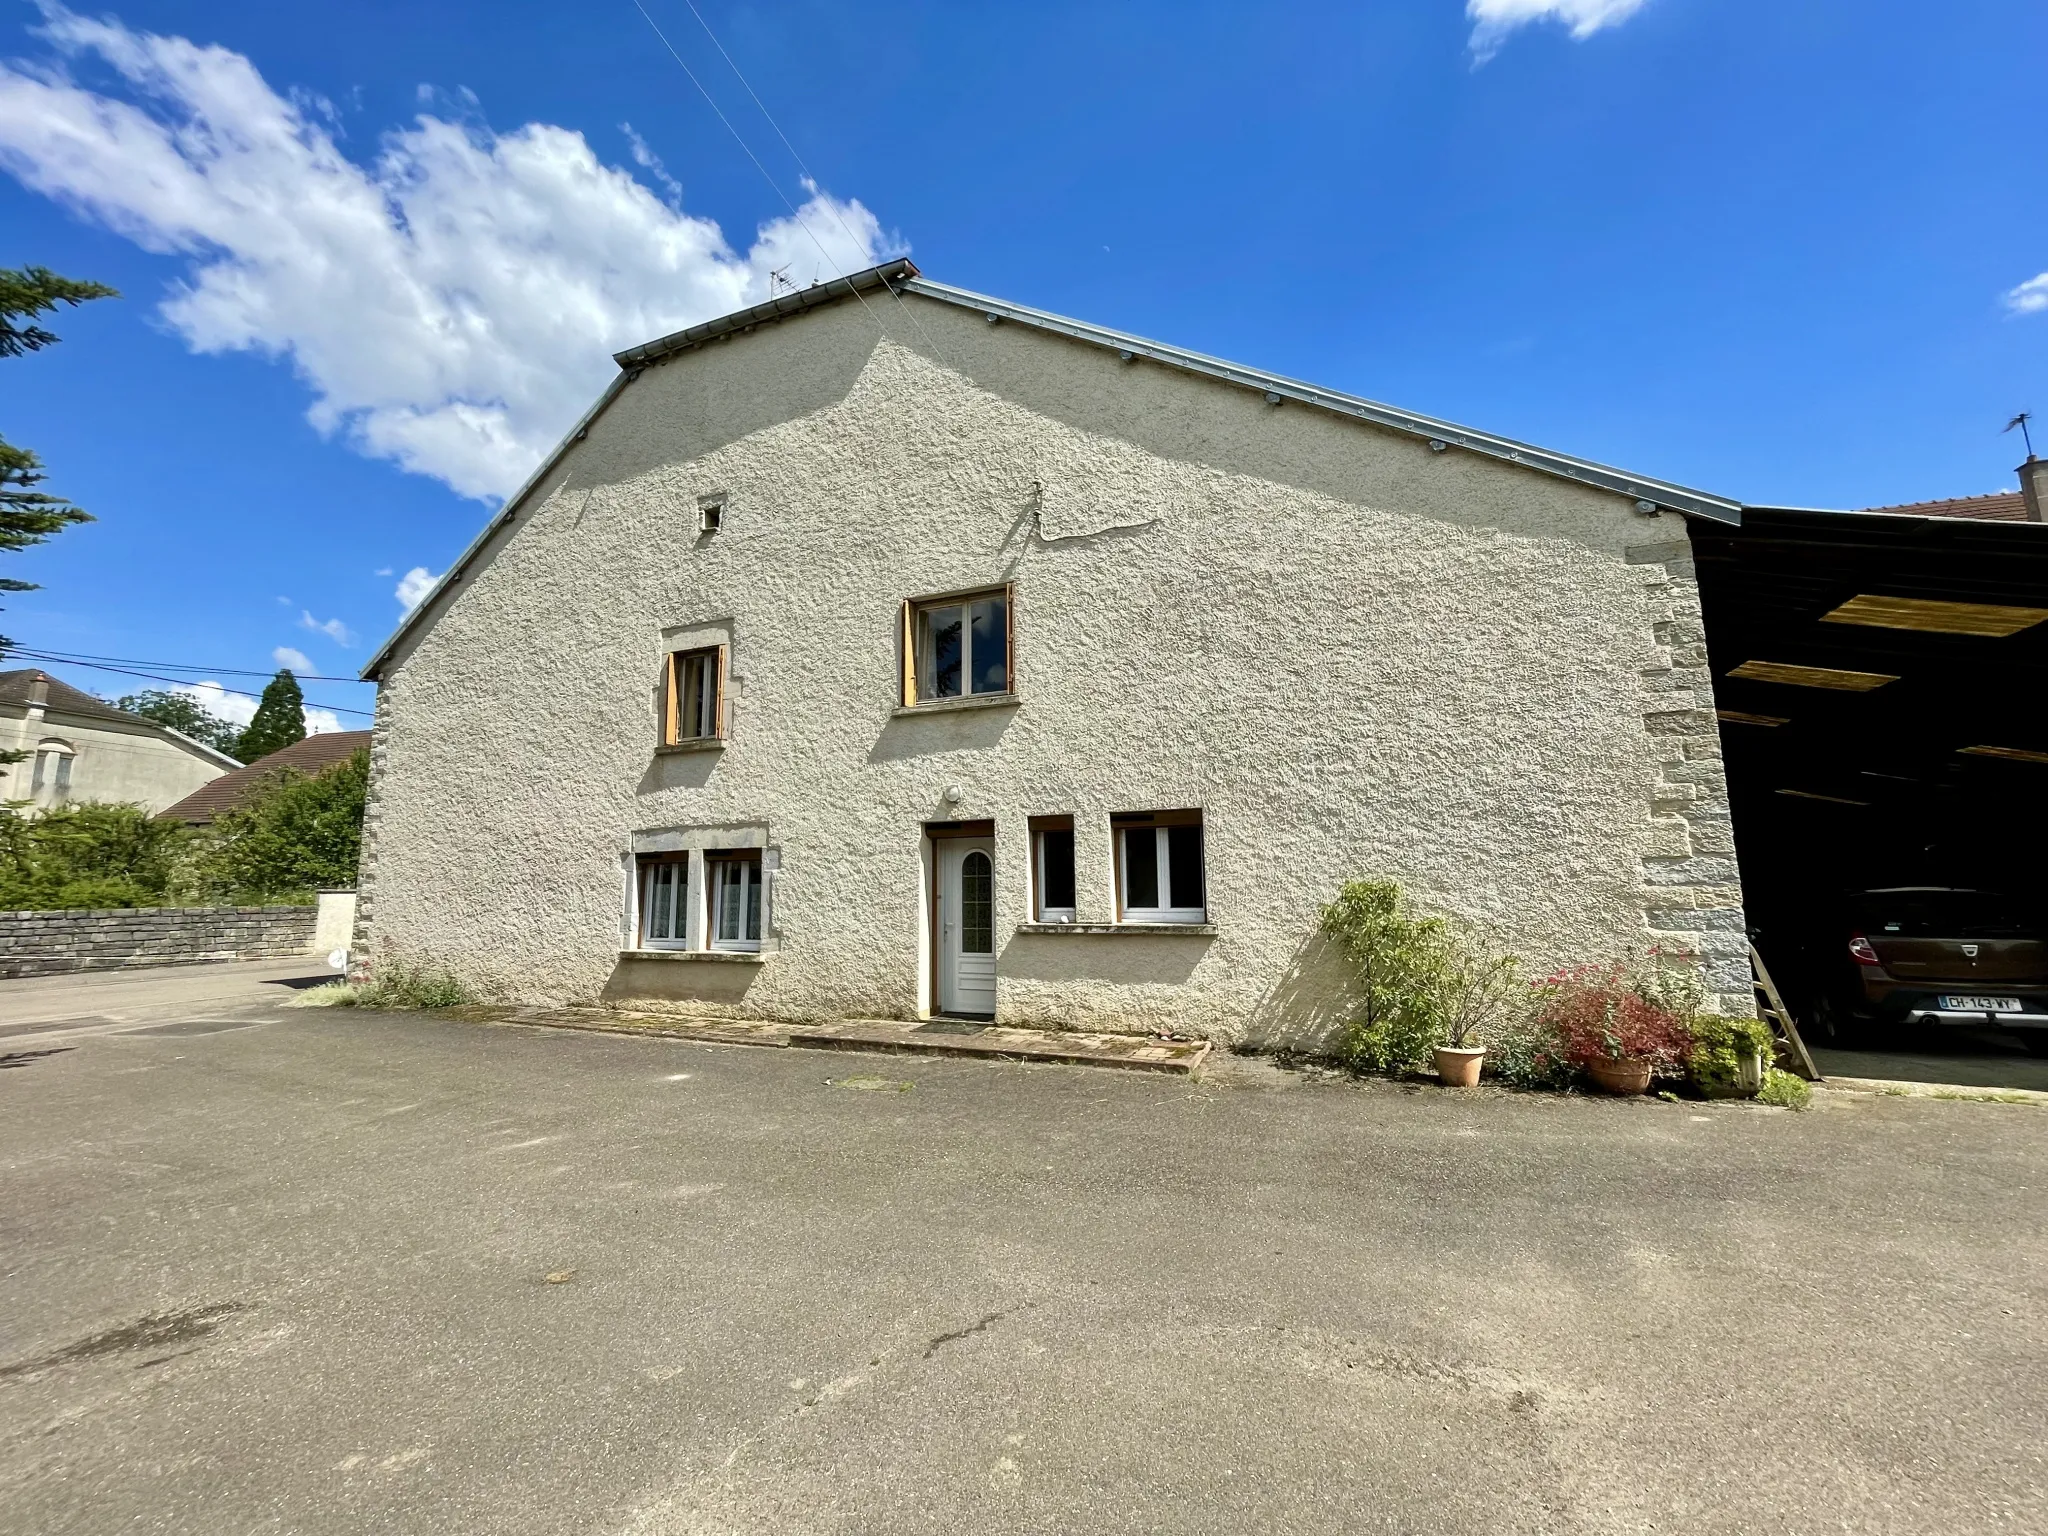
(226,793)
(1998,507)
(902,276)
(17,689)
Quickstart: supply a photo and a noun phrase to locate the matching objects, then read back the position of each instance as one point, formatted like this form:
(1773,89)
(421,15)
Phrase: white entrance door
(967,926)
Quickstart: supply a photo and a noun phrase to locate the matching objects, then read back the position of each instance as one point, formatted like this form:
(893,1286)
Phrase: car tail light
(1861,948)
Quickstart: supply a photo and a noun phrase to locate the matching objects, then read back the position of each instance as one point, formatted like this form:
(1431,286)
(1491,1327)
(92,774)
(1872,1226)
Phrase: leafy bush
(1422,981)
(1524,1052)
(1396,953)
(393,983)
(86,855)
(1785,1090)
(1614,1012)
(295,834)
(1721,1046)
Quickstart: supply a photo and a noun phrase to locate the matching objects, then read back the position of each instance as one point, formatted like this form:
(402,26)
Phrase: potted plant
(1615,1025)
(1473,990)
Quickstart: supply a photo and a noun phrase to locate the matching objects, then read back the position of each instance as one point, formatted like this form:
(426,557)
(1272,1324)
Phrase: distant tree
(182,712)
(29,516)
(294,835)
(280,719)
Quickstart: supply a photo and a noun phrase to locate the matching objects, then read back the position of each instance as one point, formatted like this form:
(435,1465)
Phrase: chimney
(39,684)
(2034,486)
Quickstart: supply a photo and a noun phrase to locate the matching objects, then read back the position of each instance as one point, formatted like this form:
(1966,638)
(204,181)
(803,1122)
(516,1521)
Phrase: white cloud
(2030,298)
(216,700)
(382,570)
(452,304)
(1493,20)
(239,709)
(333,629)
(414,586)
(285,656)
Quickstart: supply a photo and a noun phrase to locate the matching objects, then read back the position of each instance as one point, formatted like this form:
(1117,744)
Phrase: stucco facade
(78,749)
(1353,652)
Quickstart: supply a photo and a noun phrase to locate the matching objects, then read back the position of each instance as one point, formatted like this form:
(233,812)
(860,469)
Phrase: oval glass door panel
(977,905)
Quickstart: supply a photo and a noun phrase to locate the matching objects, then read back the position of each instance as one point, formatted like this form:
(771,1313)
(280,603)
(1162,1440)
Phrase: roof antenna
(2021,421)
(779,280)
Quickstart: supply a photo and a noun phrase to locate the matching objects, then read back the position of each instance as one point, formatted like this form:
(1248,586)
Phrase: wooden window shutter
(671,687)
(908,639)
(718,726)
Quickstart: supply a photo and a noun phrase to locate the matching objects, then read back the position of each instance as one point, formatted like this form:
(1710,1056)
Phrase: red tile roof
(1998,507)
(227,792)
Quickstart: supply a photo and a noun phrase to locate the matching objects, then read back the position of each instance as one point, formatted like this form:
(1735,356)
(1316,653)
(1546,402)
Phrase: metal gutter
(1676,498)
(784,305)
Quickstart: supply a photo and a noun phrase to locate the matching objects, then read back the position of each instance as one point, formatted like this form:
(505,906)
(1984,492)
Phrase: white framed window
(664,901)
(693,690)
(1052,868)
(957,647)
(1159,868)
(51,777)
(735,891)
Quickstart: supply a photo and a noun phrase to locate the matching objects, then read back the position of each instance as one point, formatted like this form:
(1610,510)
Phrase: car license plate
(1982,1004)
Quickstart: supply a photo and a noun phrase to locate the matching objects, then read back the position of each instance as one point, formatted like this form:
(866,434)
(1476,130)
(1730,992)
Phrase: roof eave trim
(213,752)
(630,362)
(777,308)
(1676,498)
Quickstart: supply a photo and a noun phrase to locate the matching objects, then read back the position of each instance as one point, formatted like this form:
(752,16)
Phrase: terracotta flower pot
(1631,1074)
(1458,1066)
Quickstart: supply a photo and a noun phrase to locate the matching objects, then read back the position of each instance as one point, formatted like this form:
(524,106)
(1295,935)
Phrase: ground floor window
(1160,874)
(664,902)
(735,880)
(1052,868)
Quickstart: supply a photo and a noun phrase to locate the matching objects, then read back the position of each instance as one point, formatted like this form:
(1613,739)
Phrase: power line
(802,168)
(83,657)
(737,138)
(180,682)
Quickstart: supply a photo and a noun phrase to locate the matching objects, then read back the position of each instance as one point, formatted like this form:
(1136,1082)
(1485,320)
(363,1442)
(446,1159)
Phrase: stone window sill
(947,706)
(1105,930)
(720,956)
(695,744)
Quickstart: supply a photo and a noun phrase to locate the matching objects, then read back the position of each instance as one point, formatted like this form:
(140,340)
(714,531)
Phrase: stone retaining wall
(47,943)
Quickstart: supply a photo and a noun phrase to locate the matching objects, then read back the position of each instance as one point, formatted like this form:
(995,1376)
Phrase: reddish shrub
(1599,1012)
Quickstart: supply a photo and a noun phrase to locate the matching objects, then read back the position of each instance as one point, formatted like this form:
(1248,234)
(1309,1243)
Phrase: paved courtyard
(302,1271)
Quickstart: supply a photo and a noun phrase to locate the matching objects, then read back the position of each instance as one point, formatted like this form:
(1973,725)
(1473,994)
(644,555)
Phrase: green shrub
(394,983)
(1396,953)
(1785,1090)
(1525,1052)
(87,855)
(1720,1046)
(294,835)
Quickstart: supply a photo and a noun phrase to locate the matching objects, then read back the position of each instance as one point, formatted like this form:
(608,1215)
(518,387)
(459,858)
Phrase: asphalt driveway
(339,1273)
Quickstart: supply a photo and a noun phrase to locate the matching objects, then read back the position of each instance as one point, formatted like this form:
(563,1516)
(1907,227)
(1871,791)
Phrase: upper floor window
(694,696)
(957,647)
(1160,878)
(51,777)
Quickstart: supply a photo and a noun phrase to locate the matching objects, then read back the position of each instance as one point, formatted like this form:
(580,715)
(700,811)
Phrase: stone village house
(887,650)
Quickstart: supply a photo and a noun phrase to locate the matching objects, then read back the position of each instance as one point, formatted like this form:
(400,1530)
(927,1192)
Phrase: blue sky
(375,256)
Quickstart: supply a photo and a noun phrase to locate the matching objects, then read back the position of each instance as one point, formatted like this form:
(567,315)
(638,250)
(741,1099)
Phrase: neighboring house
(313,755)
(888,650)
(80,748)
(2028,504)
